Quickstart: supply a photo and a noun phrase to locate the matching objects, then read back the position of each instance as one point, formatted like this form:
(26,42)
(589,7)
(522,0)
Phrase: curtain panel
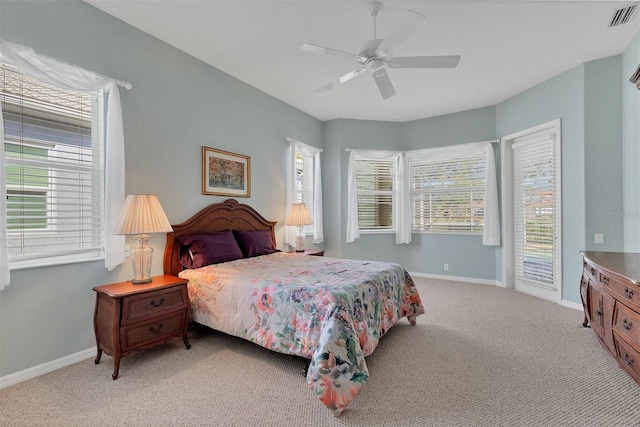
(71,77)
(307,152)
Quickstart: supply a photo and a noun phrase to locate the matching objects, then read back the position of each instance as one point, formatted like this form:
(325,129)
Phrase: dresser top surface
(625,264)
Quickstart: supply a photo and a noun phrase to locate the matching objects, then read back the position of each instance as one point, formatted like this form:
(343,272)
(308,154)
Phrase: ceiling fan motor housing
(368,49)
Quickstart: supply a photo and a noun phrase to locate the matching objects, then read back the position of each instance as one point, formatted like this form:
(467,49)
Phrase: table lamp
(299,217)
(140,216)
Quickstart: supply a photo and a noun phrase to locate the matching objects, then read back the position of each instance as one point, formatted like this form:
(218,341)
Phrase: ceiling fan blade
(409,23)
(325,50)
(341,80)
(449,61)
(384,83)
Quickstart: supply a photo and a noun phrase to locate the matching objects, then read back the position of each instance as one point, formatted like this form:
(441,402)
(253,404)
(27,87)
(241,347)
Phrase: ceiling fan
(377,53)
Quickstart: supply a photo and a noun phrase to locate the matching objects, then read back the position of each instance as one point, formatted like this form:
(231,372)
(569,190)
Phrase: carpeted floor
(481,356)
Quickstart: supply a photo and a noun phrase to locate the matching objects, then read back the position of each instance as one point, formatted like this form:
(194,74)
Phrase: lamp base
(300,239)
(141,258)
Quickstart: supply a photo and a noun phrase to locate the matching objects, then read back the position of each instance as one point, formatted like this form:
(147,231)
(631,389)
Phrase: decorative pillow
(254,243)
(199,250)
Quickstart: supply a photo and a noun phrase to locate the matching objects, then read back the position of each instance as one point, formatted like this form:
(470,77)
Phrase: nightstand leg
(116,367)
(97,359)
(185,338)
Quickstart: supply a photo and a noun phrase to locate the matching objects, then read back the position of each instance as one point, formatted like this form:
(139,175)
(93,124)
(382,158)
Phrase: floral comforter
(331,311)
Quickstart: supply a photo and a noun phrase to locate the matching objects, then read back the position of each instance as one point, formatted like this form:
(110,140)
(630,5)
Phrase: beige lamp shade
(299,215)
(142,214)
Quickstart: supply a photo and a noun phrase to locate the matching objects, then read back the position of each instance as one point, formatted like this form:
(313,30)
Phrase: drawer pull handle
(154,330)
(627,359)
(158,304)
(628,293)
(593,271)
(626,324)
(599,312)
(605,280)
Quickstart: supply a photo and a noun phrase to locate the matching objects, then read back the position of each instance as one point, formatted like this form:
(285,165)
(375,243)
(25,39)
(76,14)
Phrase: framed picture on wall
(225,173)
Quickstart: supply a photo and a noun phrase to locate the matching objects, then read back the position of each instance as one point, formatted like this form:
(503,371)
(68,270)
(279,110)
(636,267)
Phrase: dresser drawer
(590,269)
(628,358)
(150,304)
(627,324)
(148,333)
(628,292)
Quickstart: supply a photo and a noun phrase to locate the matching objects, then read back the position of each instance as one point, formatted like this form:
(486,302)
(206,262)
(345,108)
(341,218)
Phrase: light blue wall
(603,153)
(560,97)
(427,253)
(177,105)
(631,148)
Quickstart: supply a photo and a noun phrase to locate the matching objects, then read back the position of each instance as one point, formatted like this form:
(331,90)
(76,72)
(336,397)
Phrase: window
(448,194)
(54,171)
(449,189)
(304,185)
(374,190)
(535,203)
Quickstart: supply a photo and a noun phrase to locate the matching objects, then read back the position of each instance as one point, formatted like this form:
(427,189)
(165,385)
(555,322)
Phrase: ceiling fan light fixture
(375,64)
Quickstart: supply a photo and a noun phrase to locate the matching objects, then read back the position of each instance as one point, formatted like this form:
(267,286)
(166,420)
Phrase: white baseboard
(36,371)
(457,278)
(564,302)
(571,304)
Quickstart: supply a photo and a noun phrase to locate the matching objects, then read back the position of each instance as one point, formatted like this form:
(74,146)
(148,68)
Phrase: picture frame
(225,173)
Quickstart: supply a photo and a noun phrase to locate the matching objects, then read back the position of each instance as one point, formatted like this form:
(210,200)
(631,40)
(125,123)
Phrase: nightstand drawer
(137,307)
(146,334)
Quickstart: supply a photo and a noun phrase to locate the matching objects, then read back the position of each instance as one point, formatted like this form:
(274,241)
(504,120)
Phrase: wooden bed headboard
(228,215)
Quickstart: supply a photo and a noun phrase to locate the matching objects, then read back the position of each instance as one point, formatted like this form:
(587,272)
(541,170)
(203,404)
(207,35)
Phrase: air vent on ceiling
(622,15)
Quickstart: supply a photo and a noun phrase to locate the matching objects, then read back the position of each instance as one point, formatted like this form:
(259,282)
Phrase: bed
(330,311)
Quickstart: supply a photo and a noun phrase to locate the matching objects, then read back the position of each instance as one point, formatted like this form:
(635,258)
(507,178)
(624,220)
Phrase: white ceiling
(506,47)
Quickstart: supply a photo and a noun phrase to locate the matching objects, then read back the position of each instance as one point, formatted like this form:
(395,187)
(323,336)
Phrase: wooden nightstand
(314,252)
(132,317)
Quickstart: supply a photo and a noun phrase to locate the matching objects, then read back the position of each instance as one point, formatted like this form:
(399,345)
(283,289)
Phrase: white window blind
(534,201)
(54,170)
(375,189)
(448,194)
(304,186)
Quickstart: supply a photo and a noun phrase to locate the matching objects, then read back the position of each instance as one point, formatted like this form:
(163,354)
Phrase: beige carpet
(481,356)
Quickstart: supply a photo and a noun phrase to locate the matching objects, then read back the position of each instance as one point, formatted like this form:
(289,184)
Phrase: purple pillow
(254,243)
(199,250)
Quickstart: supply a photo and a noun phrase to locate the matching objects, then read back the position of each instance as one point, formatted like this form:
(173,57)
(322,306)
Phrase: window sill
(377,231)
(454,233)
(35,263)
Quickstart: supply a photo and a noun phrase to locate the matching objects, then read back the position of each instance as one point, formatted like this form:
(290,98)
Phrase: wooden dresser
(610,293)
(130,317)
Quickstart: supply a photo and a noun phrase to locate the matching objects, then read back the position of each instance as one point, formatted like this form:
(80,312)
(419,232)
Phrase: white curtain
(72,77)
(307,152)
(491,225)
(401,202)
(402,209)
(491,229)
(4,250)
